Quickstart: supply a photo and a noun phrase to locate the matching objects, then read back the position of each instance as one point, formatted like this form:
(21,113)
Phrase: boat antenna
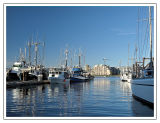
(25,54)
(20,54)
(150,23)
(66,53)
(105,59)
(36,50)
(43,52)
(29,50)
(79,57)
(128,55)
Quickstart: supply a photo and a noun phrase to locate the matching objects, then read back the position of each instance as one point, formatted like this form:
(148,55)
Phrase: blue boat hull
(73,79)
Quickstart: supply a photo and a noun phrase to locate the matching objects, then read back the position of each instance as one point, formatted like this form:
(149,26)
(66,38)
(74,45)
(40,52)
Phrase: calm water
(107,97)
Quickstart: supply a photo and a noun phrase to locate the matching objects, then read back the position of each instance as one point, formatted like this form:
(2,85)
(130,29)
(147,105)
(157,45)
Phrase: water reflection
(60,100)
(24,100)
(101,83)
(99,97)
(141,110)
(125,88)
(59,89)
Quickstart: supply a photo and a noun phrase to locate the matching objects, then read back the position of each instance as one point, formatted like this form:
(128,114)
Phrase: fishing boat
(77,75)
(59,77)
(79,79)
(143,76)
(21,66)
(15,72)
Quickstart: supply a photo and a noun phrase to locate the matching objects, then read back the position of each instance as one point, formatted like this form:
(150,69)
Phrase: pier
(14,84)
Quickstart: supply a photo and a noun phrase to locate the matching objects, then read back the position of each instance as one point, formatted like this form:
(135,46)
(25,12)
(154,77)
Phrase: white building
(87,68)
(101,70)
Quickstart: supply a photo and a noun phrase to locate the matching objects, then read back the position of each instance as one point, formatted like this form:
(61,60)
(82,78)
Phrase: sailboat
(126,72)
(143,76)
(126,75)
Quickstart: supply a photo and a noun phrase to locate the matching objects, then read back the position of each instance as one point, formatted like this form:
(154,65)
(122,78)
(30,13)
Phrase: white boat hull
(58,80)
(143,89)
(126,78)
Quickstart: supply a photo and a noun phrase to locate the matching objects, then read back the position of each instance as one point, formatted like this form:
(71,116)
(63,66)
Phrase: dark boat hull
(73,79)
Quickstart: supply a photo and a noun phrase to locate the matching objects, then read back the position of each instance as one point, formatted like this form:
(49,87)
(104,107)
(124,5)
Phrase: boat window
(76,71)
(149,73)
(17,65)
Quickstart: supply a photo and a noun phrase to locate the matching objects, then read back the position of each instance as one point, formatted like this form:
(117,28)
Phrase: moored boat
(77,75)
(59,77)
(143,86)
(126,76)
(15,72)
(143,76)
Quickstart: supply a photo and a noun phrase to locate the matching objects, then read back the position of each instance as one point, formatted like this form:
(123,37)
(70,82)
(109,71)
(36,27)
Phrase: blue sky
(99,31)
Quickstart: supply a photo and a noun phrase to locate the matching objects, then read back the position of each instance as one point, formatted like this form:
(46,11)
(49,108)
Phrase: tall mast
(36,51)
(150,34)
(20,51)
(25,54)
(66,53)
(80,54)
(60,57)
(29,50)
(79,60)
(71,63)
(84,59)
(74,58)
(128,54)
(43,52)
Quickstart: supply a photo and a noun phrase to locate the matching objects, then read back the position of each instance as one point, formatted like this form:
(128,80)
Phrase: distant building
(115,71)
(101,70)
(87,68)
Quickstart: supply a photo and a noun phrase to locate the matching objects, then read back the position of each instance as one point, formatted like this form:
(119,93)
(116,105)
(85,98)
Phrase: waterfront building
(101,70)
(87,68)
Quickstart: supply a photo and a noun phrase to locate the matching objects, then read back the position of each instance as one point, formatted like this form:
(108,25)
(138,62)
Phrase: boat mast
(36,51)
(150,36)
(25,54)
(20,51)
(29,52)
(21,56)
(128,56)
(43,52)
(66,53)
(79,58)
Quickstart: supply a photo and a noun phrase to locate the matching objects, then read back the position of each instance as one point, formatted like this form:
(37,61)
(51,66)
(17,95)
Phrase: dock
(13,84)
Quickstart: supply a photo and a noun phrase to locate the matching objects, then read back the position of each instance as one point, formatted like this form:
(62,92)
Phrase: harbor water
(100,97)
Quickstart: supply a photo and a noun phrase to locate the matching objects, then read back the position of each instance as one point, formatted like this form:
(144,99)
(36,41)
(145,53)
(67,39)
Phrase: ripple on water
(107,97)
